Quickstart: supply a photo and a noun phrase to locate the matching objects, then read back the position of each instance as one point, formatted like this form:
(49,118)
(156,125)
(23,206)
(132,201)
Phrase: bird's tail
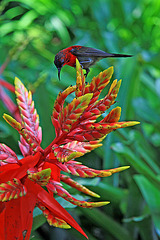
(116,55)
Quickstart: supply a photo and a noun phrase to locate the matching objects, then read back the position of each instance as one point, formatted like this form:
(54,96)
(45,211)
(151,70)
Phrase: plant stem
(7,85)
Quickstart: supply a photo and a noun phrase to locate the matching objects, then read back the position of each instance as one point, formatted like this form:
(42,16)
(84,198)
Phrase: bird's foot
(87,71)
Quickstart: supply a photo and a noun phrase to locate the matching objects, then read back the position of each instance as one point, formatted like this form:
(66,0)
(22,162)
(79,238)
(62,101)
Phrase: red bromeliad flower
(77,132)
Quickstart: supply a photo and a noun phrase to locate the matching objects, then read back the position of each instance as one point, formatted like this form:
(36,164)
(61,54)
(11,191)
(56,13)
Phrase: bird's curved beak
(59,71)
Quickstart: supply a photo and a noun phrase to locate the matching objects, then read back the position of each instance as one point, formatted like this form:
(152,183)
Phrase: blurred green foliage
(31,33)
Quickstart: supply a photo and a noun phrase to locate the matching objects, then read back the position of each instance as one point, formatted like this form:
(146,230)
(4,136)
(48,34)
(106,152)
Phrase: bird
(86,56)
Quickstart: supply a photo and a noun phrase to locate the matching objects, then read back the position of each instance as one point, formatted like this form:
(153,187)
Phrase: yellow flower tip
(132,123)
(120,169)
(46,171)
(119,83)
(6,117)
(101,204)
(105,203)
(114,83)
(126,167)
(123,168)
(96,195)
(110,70)
(12,121)
(137,122)
(118,110)
(16,80)
(65,226)
(98,204)
(77,64)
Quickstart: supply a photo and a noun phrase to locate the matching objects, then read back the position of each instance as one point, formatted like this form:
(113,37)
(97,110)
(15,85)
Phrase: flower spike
(80,83)
(58,106)
(7,155)
(79,170)
(78,186)
(60,191)
(12,190)
(78,131)
(29,116)
(52,219)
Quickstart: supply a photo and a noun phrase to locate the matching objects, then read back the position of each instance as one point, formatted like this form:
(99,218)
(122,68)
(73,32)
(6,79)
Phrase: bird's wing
(85,63)
(92,52)
(87,52)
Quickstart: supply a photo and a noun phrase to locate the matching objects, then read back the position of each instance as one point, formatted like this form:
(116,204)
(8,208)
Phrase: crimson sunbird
(86,56)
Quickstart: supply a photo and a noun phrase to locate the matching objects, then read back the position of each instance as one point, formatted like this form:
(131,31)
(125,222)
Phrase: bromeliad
(77,133)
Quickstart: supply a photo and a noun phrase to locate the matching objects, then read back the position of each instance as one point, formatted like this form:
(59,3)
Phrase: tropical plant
(77,133)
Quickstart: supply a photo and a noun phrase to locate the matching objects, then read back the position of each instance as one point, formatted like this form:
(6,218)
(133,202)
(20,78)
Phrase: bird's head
(59,62)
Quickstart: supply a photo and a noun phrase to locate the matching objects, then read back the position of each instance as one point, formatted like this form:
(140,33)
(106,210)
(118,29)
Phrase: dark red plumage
(87,57)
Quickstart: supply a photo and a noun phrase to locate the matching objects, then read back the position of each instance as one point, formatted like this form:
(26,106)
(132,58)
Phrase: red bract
(77,133)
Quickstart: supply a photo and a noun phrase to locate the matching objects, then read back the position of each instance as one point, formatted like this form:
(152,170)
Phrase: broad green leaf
(151,195)
(143,110)
(106,191)
(107,223)
(38,219)
(136,162)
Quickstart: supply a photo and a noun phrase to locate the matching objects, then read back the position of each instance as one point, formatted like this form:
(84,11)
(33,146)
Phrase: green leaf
(107,223)
(151,195)
(132,208)
(43,104)
(143,109)
(106,191)
(38,219)
(145,226)
(156,139)
(136,162)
